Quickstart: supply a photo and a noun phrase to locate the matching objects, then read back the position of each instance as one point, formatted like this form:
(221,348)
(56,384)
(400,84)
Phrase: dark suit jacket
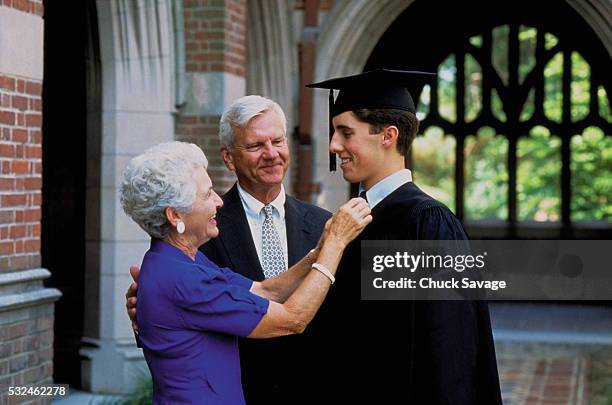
(273,370)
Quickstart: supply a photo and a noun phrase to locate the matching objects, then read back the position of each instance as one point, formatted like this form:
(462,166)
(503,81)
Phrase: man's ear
(389,138)
(227,158)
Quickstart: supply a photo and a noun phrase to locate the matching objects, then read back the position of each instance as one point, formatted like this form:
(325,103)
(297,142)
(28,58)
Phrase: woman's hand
(348,222)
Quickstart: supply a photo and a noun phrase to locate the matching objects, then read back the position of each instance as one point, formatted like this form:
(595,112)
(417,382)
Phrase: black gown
(407,352)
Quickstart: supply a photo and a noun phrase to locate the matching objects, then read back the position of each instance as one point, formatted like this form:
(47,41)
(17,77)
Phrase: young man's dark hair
(405,121)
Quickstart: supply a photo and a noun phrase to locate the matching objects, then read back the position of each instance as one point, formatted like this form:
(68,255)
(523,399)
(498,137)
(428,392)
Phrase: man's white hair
(243,110)
(161,177)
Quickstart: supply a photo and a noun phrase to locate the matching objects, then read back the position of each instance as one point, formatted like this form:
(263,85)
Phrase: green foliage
(591,180)
(486,177)
(538,177)
(434,165)
(538,153)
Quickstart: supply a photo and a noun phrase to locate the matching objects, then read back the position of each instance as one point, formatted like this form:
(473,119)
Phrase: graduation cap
(374,89)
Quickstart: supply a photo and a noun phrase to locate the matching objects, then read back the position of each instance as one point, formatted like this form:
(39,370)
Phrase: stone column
(137,106)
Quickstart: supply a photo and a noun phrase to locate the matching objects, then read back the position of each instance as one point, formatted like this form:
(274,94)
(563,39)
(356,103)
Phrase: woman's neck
(181,243)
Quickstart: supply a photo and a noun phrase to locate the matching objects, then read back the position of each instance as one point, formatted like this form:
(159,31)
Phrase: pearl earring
(180,227)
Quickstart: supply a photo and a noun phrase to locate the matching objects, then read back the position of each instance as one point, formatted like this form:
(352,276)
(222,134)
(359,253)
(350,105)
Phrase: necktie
(273,259)
(363,195)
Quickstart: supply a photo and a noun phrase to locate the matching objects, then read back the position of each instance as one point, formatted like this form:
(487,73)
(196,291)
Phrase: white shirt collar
(386,186)
(253,206)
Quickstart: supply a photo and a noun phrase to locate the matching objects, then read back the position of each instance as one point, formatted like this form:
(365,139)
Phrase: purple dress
(189,316)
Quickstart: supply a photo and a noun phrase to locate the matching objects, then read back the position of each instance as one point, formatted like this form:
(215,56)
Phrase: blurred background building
(515,136)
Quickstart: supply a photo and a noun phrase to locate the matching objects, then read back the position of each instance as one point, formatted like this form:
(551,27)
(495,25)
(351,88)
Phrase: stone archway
(349,35)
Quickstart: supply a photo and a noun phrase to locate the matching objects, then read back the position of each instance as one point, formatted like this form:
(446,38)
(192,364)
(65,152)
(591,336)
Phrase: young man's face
(358,150)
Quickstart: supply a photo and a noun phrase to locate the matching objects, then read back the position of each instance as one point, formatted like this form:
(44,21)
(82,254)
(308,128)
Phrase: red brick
(20,329)
(33,183)
(36,199)
(33,152)
(6,248)
(33,120)
(20,119)
(7,183)
(18,231)
(13,200)
(7,216)
(44,323)
(5,101)
(36,105)
(36,137)
(19,135)
(7,118)
(19,167)
(34,230)
(19,102)
(28,215)
(32,245)
(20,87)
(7,83)
(34,88)
(7,150)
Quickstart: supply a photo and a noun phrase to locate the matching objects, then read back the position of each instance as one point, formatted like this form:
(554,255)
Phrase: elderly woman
(190,311)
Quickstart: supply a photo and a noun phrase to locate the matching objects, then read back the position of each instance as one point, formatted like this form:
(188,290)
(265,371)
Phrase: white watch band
(325,271)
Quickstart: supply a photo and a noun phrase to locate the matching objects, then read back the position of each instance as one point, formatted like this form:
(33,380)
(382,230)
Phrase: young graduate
(416,352)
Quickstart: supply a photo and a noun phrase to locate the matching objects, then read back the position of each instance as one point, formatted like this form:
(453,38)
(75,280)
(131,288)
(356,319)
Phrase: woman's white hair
(243,110)
(161,177)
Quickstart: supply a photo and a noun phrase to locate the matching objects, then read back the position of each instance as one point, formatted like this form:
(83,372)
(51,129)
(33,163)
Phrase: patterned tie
(273,259)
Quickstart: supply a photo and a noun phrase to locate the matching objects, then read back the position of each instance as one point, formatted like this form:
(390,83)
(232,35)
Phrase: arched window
(517,125)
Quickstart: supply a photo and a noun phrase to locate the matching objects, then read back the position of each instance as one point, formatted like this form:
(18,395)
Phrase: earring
(180,227)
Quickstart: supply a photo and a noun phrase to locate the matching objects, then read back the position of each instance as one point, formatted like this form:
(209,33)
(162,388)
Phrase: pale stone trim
(21,43)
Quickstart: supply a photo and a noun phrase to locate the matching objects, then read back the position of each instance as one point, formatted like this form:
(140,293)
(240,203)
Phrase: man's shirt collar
(253,206)
(386,186)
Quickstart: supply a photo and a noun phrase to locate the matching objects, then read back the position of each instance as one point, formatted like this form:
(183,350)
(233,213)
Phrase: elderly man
(258,245)
(263,231)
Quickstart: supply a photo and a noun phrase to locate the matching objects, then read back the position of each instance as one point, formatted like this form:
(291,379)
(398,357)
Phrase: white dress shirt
(255,218)
(386,186)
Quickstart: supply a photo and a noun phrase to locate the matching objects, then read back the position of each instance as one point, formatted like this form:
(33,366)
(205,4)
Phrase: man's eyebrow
(342,126)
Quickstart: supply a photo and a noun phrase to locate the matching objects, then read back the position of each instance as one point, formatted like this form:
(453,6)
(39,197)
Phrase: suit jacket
(273,370)
(410,352)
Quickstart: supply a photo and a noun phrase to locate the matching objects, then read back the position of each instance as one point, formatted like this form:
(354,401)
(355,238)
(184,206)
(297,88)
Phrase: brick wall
(215,35)
(20,172)
(26,351)
(27,6)
(203,131)
(214,43)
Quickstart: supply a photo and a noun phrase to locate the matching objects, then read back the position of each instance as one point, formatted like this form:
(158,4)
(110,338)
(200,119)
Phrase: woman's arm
(295,313)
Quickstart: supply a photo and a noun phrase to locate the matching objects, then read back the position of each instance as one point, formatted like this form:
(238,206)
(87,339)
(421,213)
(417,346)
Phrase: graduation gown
(409,352)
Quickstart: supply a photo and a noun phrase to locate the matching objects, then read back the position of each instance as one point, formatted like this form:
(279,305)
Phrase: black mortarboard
(376,89)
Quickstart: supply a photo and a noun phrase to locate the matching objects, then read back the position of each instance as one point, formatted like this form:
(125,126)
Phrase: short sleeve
(208,300)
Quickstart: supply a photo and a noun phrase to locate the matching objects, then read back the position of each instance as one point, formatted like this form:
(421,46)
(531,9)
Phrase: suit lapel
(235,235)
(298,230)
